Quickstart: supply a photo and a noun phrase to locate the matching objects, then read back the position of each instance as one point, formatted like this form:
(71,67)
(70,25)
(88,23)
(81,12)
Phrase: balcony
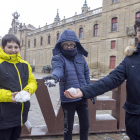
(130,30)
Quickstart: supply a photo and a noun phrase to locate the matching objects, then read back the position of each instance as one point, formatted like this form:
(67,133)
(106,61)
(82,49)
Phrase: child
(15,75)
(70,69)
(129,69)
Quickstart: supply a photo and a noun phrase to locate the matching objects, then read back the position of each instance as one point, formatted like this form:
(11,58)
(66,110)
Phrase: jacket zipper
(21,90)
(77,74)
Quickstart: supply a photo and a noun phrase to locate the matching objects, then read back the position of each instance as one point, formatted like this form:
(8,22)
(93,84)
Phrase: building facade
(104,32)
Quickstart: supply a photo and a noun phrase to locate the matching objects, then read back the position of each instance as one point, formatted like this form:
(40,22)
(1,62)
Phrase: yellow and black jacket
(15,75)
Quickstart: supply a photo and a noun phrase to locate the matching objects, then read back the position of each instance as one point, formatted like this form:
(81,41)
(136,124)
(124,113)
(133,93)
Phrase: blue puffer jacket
(70,72)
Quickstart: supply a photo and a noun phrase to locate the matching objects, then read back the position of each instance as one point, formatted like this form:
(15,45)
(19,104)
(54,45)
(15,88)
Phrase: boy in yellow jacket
(15,76)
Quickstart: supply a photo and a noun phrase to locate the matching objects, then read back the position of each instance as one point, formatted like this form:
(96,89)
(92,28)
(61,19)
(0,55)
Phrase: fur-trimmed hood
(129,50)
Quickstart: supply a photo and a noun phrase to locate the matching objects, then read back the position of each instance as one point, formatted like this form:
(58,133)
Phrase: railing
(97,11)
(69,19)
(59,23)
(130,30)
(98,123)
(82,15)
(50,26)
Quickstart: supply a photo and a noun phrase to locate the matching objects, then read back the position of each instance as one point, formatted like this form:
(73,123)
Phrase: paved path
(104,136)
(35,116)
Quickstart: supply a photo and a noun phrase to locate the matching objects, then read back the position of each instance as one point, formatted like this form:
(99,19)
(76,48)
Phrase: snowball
(50,82)
(72,90)
(22,96)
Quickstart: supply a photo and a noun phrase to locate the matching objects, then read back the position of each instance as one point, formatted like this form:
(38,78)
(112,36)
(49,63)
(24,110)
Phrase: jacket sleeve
(32,84)
(86,72)
(113,80)
(5,95)
(57,67)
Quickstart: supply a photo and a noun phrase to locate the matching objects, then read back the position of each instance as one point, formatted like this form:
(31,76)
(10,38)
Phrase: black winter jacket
(15,75)
(129,69)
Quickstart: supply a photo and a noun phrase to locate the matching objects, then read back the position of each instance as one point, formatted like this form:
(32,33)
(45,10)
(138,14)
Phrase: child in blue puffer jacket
(70,69)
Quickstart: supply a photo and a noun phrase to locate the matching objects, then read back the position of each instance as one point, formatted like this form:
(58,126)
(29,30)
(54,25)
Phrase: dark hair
(10,38)
(137,23)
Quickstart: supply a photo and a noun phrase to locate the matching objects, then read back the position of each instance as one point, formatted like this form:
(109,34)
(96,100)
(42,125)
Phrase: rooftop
(68,20)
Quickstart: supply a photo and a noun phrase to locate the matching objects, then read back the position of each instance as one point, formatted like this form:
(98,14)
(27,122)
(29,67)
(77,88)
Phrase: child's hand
(13,96)
(22,96)
(73,96)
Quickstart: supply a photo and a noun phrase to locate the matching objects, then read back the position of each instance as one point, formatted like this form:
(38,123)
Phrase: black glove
(50,77)
(50,83)
(93,100)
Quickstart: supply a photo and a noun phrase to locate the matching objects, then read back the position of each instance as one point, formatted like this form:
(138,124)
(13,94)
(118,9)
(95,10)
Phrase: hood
(14,58)
(69,35)
(129,50)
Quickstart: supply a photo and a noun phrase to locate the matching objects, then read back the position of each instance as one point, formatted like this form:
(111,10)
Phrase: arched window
(34,42)
(41,41)
(28,43)
(137,15)
(58,36)
(112,62)
(96,30)
(114,1)
(81,33)
(114,24)
(49,39)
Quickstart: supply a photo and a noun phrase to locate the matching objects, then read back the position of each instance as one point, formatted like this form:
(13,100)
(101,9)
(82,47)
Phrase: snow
(57,108)
(104,98)
(22,96)
(103,117)
(126,137)
(94,79)
(28,125)
(72,90)
(50,82)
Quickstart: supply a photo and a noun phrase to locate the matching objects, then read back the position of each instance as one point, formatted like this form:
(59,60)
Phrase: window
(49,39)
(81,33)
(114,24)
(113,43)
(114,1)
(41,41)
(136,42)
(96,30)
(137,15)
(57,36)
(112,62)
(28,43)
(34,42)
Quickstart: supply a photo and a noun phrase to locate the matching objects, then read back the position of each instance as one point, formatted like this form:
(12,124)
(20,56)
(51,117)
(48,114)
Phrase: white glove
(72,90)
(22,96)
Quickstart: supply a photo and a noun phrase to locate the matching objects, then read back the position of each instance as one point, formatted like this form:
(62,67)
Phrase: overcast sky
(40,12)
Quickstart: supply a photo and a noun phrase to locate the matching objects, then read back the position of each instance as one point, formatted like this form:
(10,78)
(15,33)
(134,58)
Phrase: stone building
(104,32)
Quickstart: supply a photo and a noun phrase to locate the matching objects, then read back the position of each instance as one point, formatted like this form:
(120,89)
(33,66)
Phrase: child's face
(138,33)
(11,48)
(68,45)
